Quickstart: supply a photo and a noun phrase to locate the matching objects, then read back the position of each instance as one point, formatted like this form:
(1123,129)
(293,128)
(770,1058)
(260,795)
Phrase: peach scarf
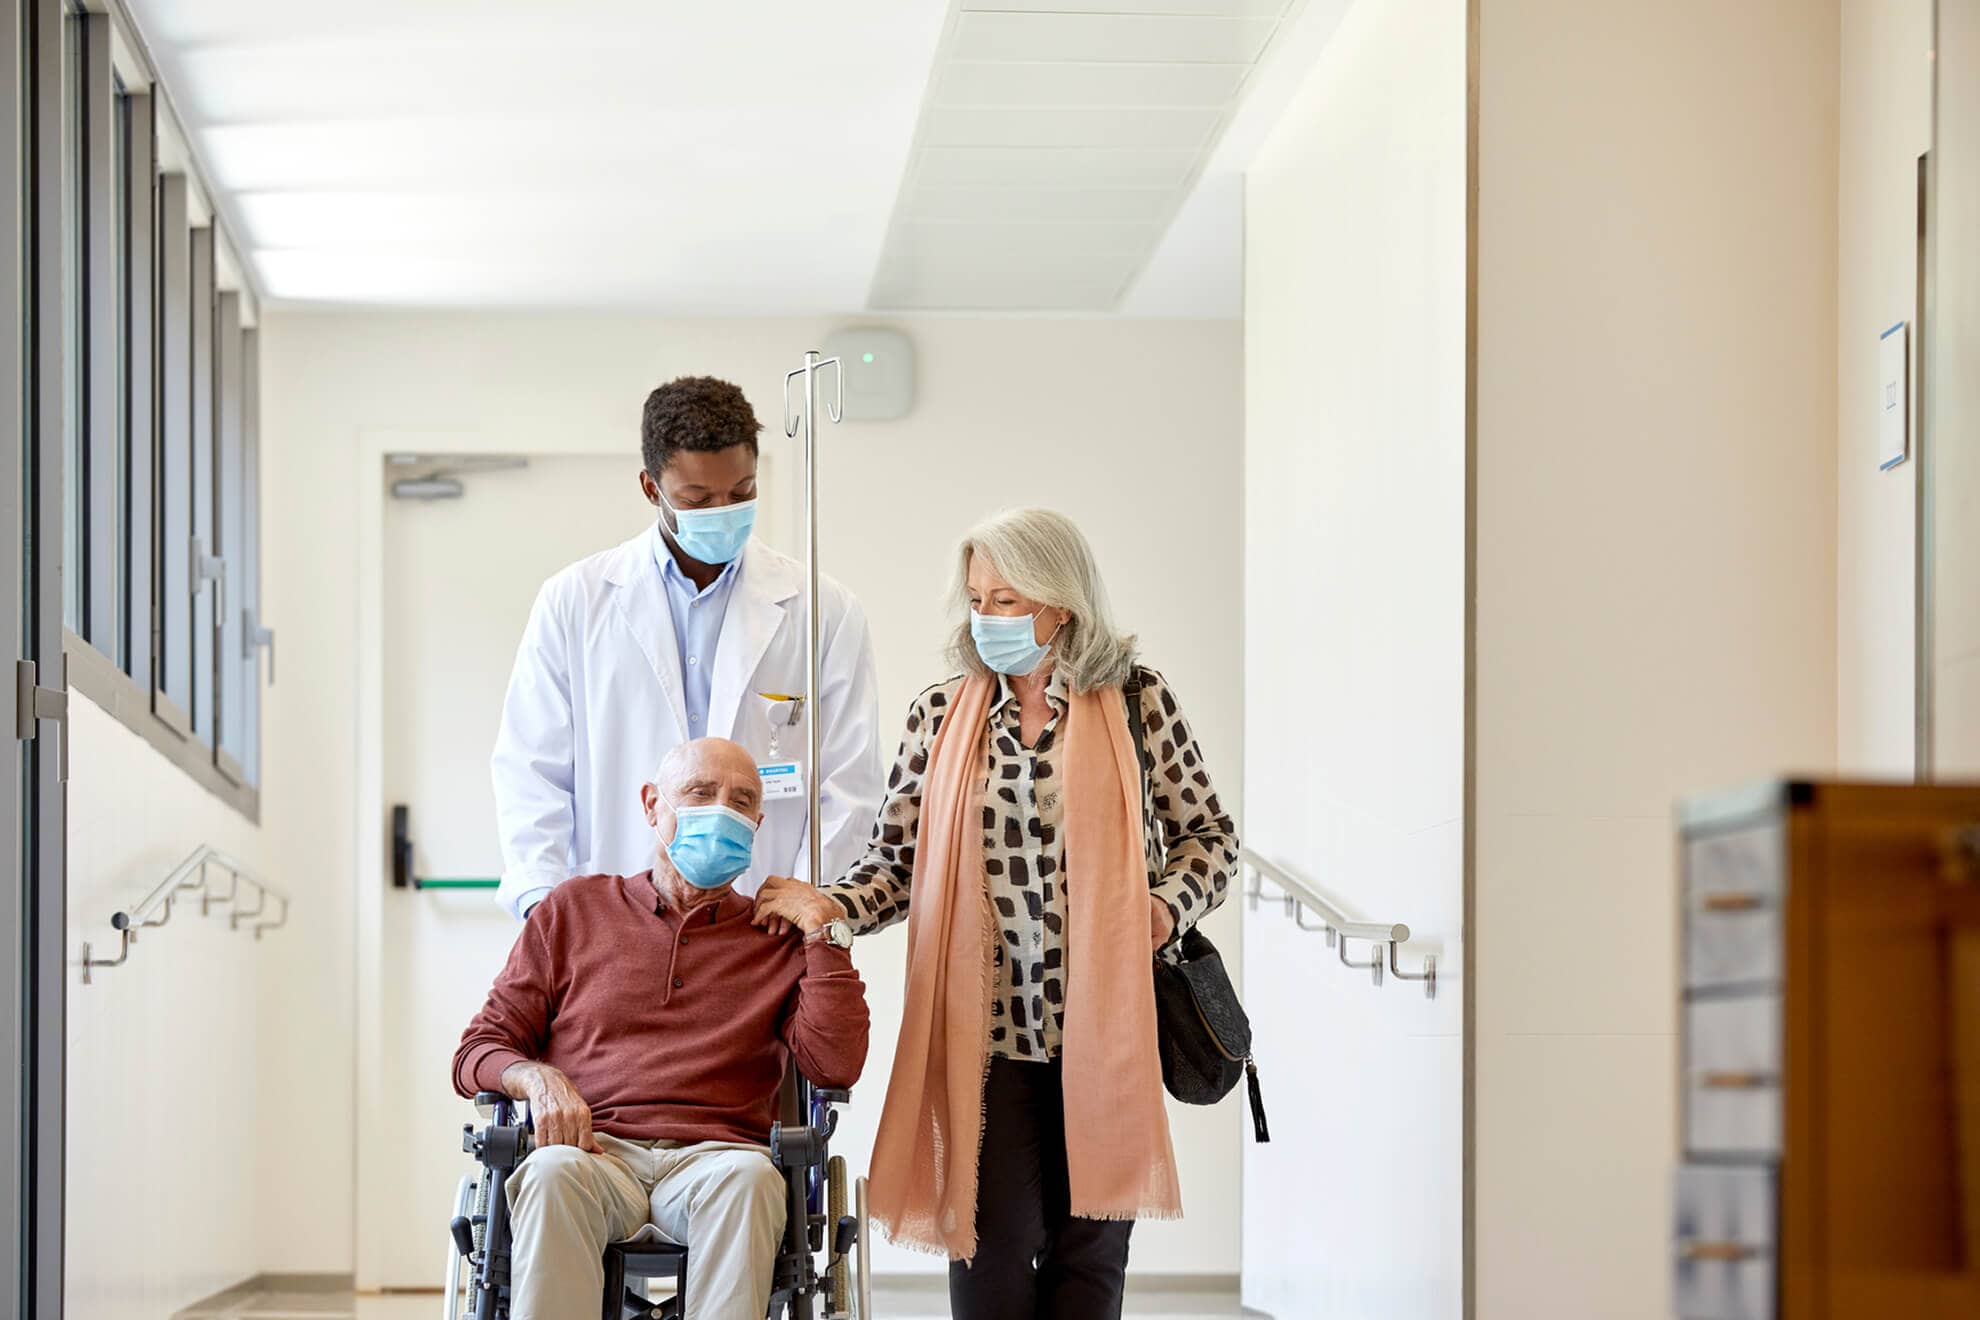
(1118,1156)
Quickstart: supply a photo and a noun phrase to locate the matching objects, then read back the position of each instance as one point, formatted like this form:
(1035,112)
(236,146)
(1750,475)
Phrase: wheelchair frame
(818,1220)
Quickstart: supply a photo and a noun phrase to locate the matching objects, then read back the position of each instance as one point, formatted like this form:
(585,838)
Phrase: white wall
(1656,596)
(1354,664)
(1954,335)
(162,1081)
(1886,123)
(1133,427)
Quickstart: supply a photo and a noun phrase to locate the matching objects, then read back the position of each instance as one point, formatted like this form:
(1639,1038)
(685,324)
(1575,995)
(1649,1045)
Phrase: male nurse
(692,629)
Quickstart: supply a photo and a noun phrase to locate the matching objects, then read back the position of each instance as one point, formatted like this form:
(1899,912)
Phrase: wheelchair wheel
(451,1290)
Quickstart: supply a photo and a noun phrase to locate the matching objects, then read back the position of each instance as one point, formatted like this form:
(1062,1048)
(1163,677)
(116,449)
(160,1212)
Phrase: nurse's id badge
(781,779)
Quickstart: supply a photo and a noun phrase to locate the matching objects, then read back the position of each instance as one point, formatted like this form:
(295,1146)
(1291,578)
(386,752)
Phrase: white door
(459,577)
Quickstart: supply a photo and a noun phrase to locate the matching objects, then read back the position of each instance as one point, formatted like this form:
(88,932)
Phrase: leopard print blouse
(1191,846)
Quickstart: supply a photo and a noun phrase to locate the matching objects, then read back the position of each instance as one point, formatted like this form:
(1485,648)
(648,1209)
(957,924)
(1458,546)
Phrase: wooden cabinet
(1830,1060)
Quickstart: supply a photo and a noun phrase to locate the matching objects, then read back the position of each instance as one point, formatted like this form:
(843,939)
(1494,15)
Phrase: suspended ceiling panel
(1057,142)
(721,159)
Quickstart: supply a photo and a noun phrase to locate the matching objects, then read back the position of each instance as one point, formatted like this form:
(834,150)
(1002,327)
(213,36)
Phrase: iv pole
(861,1288)
(813,679)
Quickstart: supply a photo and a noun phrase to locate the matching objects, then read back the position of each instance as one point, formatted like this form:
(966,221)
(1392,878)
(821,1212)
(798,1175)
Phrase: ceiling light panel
(1056,142)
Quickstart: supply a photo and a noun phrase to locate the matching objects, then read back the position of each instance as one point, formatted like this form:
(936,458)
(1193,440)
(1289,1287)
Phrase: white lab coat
(596,701)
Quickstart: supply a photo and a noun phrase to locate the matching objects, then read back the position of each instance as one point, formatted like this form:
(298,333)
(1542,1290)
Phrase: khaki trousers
(724,1201)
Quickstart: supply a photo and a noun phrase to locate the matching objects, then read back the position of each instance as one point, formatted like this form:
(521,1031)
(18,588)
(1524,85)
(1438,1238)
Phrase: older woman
(1038,864)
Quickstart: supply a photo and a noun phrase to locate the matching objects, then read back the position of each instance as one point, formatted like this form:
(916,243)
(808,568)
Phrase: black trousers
(1034,1259)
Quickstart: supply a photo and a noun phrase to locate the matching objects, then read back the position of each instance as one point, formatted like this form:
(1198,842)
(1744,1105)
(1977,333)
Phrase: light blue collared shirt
(697,626)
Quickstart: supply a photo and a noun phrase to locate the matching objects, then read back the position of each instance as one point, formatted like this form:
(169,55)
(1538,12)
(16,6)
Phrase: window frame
(19,1049)
(42,810)
(172,657)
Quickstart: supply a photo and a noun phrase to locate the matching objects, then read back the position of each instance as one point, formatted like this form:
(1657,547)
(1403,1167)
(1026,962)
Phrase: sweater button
(677,983)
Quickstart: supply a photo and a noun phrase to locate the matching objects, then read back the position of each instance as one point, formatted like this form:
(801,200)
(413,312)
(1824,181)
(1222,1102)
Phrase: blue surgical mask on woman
(711,846)
(713,536)
(1009,644)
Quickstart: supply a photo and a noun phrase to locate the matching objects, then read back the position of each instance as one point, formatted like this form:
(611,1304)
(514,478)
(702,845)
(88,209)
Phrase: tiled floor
(909,1304)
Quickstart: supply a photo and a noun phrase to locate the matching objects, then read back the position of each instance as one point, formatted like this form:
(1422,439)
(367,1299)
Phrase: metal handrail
(1301,897)
(194,873)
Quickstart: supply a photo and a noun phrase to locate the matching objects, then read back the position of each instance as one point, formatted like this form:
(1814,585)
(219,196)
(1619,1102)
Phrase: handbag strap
(1131,692)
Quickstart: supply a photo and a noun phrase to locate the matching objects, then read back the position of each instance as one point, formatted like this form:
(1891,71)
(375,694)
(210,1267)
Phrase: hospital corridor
(990,660)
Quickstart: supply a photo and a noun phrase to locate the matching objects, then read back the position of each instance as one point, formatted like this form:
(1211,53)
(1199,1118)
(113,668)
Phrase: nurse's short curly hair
(694,412)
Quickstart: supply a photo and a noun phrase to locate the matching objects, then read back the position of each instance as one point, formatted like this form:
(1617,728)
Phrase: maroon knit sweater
(669,1028)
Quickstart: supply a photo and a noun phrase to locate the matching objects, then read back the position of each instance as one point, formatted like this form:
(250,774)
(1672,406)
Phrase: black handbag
(1202,1032)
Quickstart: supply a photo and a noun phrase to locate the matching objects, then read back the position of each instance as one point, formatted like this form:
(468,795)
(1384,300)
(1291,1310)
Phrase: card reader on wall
(879,369)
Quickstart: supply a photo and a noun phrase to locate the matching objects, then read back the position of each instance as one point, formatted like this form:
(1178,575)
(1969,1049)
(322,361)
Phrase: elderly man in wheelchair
(658,1037)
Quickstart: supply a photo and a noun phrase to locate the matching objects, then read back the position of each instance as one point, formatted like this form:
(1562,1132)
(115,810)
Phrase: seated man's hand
(785,901)
(559,1113)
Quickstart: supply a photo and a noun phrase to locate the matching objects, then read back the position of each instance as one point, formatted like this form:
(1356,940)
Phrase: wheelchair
(818,1221)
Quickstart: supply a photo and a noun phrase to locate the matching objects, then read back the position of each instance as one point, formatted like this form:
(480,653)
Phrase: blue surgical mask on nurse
(713,536)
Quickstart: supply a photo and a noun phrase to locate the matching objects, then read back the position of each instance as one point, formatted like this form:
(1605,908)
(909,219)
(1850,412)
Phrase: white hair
(1043,555)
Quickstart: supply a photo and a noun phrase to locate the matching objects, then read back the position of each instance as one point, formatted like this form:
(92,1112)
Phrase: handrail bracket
(1300,898)
(192,874)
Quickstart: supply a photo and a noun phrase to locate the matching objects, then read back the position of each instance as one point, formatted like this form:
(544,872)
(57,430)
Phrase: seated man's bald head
(706,757)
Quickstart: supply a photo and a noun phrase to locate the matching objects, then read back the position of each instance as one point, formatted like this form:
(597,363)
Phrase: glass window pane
(204,588)
(112,575)
(174,660)
(230,528)
(138,456)
(251,543)
(74,165)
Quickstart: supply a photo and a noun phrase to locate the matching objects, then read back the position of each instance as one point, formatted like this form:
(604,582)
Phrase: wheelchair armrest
(833,1097)
(504,1110)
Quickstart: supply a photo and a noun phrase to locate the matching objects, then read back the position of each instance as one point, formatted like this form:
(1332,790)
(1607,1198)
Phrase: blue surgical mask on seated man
(712,845)
(714,536)
(1009,644)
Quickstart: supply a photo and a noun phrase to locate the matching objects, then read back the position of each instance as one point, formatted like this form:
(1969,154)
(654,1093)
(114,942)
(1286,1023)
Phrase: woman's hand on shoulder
(785,902)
